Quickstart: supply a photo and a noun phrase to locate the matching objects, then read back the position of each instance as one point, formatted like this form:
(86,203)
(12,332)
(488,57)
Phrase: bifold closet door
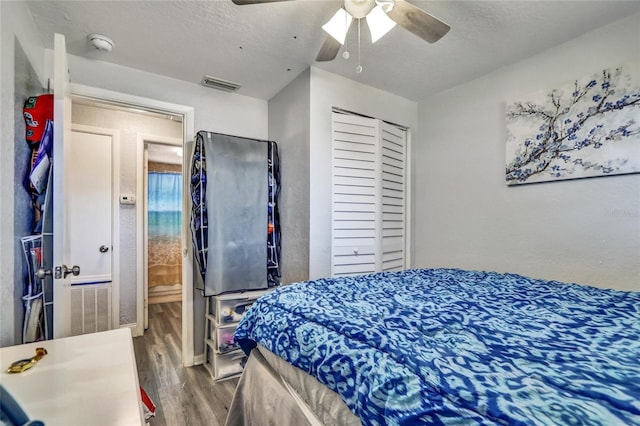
(354,172)
(394,197)
(368,204)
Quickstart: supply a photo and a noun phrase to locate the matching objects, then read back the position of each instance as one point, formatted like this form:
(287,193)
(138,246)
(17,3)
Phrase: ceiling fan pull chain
(346,53)
(359,67)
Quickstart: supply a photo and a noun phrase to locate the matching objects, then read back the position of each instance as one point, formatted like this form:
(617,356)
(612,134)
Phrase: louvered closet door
(355,174)
(368,182)
(394,142)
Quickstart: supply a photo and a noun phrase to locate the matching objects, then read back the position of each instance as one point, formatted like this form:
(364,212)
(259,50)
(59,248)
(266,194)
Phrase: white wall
(215,111)
(330,90)
(585,231)
(289,127)
(300,121)
(18,79)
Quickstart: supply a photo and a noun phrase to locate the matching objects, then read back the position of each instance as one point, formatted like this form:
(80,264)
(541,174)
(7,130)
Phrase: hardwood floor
(183,396)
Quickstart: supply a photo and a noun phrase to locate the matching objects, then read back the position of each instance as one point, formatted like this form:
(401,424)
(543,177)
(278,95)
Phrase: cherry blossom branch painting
(588,128)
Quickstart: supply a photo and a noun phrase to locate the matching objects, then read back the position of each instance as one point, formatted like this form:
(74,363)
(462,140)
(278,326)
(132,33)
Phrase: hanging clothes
(273,225)
(234,217)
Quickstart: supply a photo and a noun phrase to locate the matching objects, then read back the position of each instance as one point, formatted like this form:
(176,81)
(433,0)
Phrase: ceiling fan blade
(417,21)
(244,2)
(329,49)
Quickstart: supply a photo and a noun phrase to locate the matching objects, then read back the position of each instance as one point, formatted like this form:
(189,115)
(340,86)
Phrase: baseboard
(164,298)
(133,327)
(198,359)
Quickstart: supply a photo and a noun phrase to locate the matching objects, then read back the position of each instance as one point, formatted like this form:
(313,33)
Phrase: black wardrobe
(234,219)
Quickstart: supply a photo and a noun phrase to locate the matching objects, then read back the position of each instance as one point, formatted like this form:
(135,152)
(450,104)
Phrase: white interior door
(393,143)
(83,211)
(91,212)
(89,203)
(369,196)
(145,230)
(355,193)
(61,132)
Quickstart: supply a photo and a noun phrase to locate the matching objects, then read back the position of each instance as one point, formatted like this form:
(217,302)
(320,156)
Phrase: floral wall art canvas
(590,127)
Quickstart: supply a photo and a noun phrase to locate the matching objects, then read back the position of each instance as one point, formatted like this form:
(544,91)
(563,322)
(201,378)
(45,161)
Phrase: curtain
(164,226)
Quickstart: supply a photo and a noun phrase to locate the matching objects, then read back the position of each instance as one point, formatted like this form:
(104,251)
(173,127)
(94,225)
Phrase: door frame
(188,126)
(141,222)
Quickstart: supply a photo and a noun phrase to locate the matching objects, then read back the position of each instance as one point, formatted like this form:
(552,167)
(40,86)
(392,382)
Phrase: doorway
(132,190)
(163,221)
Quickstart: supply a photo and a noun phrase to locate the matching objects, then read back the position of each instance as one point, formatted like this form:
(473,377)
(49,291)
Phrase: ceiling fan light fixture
(379,23)
(338,26)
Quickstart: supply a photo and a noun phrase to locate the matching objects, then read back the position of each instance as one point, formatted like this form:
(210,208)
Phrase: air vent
(217,83)
(90,308)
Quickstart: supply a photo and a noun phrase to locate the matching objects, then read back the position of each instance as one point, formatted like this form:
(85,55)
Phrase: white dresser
(89,379)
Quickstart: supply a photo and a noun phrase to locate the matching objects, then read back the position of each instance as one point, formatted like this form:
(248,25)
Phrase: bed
(440,346)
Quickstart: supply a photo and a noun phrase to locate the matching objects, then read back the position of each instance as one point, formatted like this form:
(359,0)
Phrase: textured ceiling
(263,47)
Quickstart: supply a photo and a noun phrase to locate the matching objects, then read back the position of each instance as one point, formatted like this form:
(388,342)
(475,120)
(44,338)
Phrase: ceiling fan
(381,16)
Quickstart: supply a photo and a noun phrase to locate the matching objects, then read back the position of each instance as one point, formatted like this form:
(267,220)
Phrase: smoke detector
(101,42)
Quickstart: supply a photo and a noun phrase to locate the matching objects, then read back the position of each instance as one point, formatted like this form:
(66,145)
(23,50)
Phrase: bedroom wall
(585,231)
(215,111)
(300,120)
(289,127)
(330,90)
(21,75)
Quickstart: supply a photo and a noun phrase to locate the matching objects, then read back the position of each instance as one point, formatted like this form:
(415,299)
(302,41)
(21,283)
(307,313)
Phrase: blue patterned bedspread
(446,346)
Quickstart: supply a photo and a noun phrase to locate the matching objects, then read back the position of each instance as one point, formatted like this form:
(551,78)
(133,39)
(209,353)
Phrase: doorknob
(103,249)
(42,273)
(60,270)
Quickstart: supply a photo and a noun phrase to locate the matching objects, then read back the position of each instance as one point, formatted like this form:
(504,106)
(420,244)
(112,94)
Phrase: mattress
(445,346)
(273,392)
